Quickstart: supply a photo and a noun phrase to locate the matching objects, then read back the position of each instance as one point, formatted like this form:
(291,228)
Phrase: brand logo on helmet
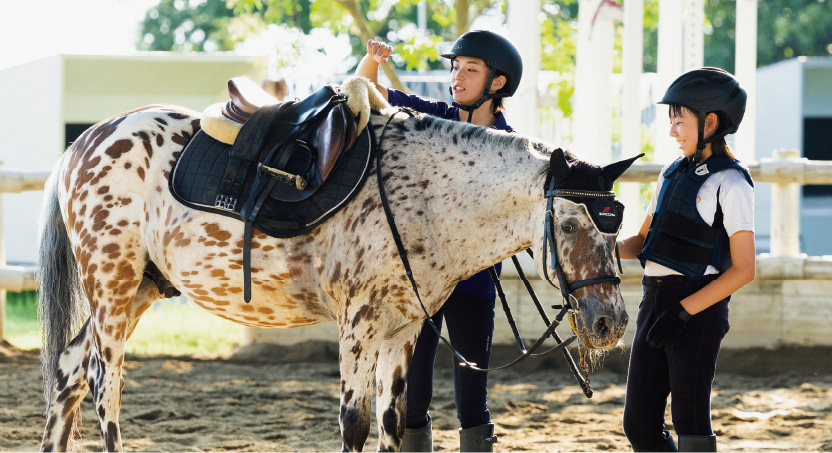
(701,171)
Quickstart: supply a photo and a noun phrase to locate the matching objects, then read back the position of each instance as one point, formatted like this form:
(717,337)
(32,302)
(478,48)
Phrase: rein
(549,238)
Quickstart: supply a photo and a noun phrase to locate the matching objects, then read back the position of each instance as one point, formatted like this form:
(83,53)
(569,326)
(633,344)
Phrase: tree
(785,29)
(176,25)
(220,24)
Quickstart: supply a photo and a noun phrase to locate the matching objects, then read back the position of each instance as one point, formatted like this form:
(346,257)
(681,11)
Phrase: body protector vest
(678,237)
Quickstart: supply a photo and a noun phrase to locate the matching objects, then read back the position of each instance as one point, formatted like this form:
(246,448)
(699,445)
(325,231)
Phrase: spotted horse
(463,198)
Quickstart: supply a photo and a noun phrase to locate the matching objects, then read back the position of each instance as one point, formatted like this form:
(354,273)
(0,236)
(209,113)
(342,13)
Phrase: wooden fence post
(785,208)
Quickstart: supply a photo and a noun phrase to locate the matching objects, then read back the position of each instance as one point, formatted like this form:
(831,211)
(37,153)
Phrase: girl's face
(684,128)
(468,77)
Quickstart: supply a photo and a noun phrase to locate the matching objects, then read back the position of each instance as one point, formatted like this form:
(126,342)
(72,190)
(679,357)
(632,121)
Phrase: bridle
(549,239)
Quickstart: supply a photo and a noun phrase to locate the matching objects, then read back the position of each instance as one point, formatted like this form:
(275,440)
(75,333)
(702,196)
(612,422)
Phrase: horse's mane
(584,175)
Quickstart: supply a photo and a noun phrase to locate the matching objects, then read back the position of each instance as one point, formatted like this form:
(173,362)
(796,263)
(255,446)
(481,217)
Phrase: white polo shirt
(736,197)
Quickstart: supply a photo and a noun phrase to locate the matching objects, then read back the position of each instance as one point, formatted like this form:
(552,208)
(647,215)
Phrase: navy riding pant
(685,370)
(470,322)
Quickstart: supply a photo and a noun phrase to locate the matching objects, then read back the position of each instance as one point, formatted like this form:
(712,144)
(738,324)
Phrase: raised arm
(377,54)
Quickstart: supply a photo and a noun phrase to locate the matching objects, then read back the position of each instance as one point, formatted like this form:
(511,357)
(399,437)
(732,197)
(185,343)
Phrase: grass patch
(21,327)
(172,326)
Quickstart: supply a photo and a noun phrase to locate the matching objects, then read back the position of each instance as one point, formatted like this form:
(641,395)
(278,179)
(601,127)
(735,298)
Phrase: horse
(464,198)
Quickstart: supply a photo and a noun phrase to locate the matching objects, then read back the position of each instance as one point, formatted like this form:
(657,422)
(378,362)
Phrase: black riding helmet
(707,90)
(498,53)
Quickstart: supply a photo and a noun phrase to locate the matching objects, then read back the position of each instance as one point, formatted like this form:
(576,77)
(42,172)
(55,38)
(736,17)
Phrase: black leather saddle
(271,178)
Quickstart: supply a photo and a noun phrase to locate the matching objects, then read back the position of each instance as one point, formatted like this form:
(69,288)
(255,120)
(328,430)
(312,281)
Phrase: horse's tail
(59,295)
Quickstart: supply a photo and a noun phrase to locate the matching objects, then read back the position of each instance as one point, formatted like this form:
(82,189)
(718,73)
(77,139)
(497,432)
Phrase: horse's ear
(612,171)
(559,165)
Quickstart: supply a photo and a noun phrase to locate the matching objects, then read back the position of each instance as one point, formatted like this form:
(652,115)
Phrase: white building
(794,111)
(50,102)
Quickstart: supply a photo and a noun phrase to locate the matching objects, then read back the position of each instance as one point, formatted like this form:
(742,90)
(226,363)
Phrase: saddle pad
(197,174)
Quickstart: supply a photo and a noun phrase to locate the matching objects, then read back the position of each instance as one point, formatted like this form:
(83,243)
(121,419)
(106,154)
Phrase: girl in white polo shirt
(697,248)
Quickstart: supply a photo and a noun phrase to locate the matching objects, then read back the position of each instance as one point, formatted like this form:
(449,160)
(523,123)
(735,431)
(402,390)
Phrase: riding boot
(417,439)
(478,438)
(697,443)
(667,445)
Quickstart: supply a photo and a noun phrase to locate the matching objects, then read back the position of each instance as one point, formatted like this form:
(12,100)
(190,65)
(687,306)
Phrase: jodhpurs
(470,322)
(685,370)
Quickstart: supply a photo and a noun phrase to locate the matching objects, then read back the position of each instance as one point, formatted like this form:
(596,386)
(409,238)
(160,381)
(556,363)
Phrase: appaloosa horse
(463,197)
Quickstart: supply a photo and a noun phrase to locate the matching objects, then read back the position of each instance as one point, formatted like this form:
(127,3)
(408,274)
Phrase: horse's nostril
(602,326)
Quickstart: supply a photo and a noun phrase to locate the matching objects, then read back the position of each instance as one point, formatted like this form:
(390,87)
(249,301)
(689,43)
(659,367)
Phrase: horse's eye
(568,227)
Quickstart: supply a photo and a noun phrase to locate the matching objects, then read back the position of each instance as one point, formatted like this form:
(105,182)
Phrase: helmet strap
(486,96)
(701,143)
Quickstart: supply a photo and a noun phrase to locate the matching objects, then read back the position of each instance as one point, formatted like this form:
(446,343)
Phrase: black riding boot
(667,445)
(697,443)
(478,438)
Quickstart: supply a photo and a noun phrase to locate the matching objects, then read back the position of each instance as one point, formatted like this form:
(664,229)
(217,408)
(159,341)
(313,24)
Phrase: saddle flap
(336,135)
(312,106)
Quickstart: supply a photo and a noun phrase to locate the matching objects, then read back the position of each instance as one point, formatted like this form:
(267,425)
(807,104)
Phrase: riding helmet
(706,90)
(496,51)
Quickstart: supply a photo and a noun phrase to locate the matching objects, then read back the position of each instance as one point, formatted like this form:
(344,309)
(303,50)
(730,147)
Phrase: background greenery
(786,28)
(172,326)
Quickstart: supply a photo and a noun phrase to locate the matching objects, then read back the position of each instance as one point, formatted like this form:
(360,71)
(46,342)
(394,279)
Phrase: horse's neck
(475,198)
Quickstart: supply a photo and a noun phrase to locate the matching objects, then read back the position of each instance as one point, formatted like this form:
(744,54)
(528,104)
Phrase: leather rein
(565,287)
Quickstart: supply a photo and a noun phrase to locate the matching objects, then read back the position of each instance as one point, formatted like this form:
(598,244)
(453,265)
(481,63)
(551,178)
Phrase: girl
(697,248)
(485,67)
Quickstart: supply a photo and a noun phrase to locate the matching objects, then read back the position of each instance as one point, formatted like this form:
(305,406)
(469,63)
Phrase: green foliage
(21,326)
(177,25)
(785,29)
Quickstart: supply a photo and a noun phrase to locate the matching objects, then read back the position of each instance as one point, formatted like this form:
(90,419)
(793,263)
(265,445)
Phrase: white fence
(786,172)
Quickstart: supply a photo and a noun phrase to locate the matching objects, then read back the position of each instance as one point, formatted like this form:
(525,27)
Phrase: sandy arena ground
(267,398)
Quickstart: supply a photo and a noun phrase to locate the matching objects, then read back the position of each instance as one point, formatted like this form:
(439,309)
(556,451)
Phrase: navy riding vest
(678,237)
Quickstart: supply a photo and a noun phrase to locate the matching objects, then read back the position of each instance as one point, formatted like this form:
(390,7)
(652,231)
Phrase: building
(51,101)
(794,111)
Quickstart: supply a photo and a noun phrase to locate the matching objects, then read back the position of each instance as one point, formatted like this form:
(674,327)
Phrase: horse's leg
(358,348)
(114,323)
(391,386)
(63,414)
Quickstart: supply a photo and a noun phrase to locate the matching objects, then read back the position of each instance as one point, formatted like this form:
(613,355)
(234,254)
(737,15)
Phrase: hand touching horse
(464,198)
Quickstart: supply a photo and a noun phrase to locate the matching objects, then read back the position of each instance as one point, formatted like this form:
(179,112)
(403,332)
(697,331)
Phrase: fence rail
(786,171)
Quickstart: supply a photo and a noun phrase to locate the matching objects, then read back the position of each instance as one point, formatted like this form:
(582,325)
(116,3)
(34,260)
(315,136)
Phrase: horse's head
(575,248)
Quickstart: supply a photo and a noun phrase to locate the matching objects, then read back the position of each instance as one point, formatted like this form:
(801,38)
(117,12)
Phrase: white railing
(15,278)
(786,171)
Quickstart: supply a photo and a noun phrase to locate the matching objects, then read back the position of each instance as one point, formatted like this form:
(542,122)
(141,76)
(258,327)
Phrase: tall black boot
(697,443)
(667,445)
(417,439)
(478,438)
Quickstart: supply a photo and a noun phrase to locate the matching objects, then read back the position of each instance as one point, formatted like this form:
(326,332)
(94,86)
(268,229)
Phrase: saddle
(290,168)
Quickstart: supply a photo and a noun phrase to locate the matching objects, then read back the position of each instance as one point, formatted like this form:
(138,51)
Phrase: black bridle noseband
(549,239)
